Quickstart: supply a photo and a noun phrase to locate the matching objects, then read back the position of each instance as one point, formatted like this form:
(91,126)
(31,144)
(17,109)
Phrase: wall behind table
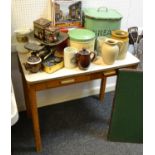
(26,11)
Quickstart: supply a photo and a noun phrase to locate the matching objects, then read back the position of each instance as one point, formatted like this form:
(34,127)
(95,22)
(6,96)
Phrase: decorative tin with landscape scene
(102,20)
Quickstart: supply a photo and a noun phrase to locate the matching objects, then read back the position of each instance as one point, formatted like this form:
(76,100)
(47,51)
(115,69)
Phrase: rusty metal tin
(39,28)
(51,34)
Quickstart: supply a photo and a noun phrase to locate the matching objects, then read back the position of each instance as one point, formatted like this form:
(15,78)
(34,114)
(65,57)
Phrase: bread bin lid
(102,13)
(81,34)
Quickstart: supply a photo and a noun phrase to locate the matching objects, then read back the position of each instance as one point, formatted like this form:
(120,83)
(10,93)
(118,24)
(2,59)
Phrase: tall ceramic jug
(122,36)
(110,50)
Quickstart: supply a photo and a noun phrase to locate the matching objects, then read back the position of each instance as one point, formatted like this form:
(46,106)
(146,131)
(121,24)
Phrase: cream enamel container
(82,38)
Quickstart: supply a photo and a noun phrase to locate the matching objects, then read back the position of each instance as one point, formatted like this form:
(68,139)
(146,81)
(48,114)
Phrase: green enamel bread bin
(102,20)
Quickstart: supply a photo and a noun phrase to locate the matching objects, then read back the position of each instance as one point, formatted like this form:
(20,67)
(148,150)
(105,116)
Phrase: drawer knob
(67,81)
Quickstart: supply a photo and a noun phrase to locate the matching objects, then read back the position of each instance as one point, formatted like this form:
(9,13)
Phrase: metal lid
(84,51)
(33,47)
(81,34)
(42,21)
(33,60)
(102,13)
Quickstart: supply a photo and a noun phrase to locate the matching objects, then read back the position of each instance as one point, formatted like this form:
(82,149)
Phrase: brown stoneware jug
(84,58)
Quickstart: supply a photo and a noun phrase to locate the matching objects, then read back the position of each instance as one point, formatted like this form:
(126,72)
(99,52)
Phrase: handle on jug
(94,56)
(120,45)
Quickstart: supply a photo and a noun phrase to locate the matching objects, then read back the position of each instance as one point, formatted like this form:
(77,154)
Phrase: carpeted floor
(76,127)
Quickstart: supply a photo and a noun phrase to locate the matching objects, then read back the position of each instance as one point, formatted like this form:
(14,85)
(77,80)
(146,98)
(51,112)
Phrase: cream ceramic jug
(109,51)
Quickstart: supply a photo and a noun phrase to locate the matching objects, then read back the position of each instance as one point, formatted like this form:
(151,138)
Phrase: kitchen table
(33,82)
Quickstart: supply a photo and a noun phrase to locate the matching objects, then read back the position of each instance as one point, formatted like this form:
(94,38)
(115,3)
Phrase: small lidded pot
(33,63)
(51,34)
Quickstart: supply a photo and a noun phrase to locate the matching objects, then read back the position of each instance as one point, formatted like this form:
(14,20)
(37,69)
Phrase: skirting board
(43,101)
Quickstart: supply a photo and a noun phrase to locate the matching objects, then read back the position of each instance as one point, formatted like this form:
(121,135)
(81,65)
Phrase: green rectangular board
(127,113)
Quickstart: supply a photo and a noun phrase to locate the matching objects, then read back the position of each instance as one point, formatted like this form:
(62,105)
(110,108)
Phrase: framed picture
(66,13)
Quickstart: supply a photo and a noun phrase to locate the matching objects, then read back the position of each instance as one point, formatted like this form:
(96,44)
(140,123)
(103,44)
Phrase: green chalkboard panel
(126,123)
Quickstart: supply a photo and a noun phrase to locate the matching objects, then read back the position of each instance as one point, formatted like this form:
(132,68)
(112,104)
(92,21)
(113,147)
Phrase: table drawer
(67,81)
(74,80)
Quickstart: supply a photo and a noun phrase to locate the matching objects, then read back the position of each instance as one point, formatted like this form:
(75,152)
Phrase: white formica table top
(64,72)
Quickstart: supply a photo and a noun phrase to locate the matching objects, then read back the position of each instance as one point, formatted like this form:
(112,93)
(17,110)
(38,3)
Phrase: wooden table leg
(102,88)
(35,118)
(28,110)
(103,82)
